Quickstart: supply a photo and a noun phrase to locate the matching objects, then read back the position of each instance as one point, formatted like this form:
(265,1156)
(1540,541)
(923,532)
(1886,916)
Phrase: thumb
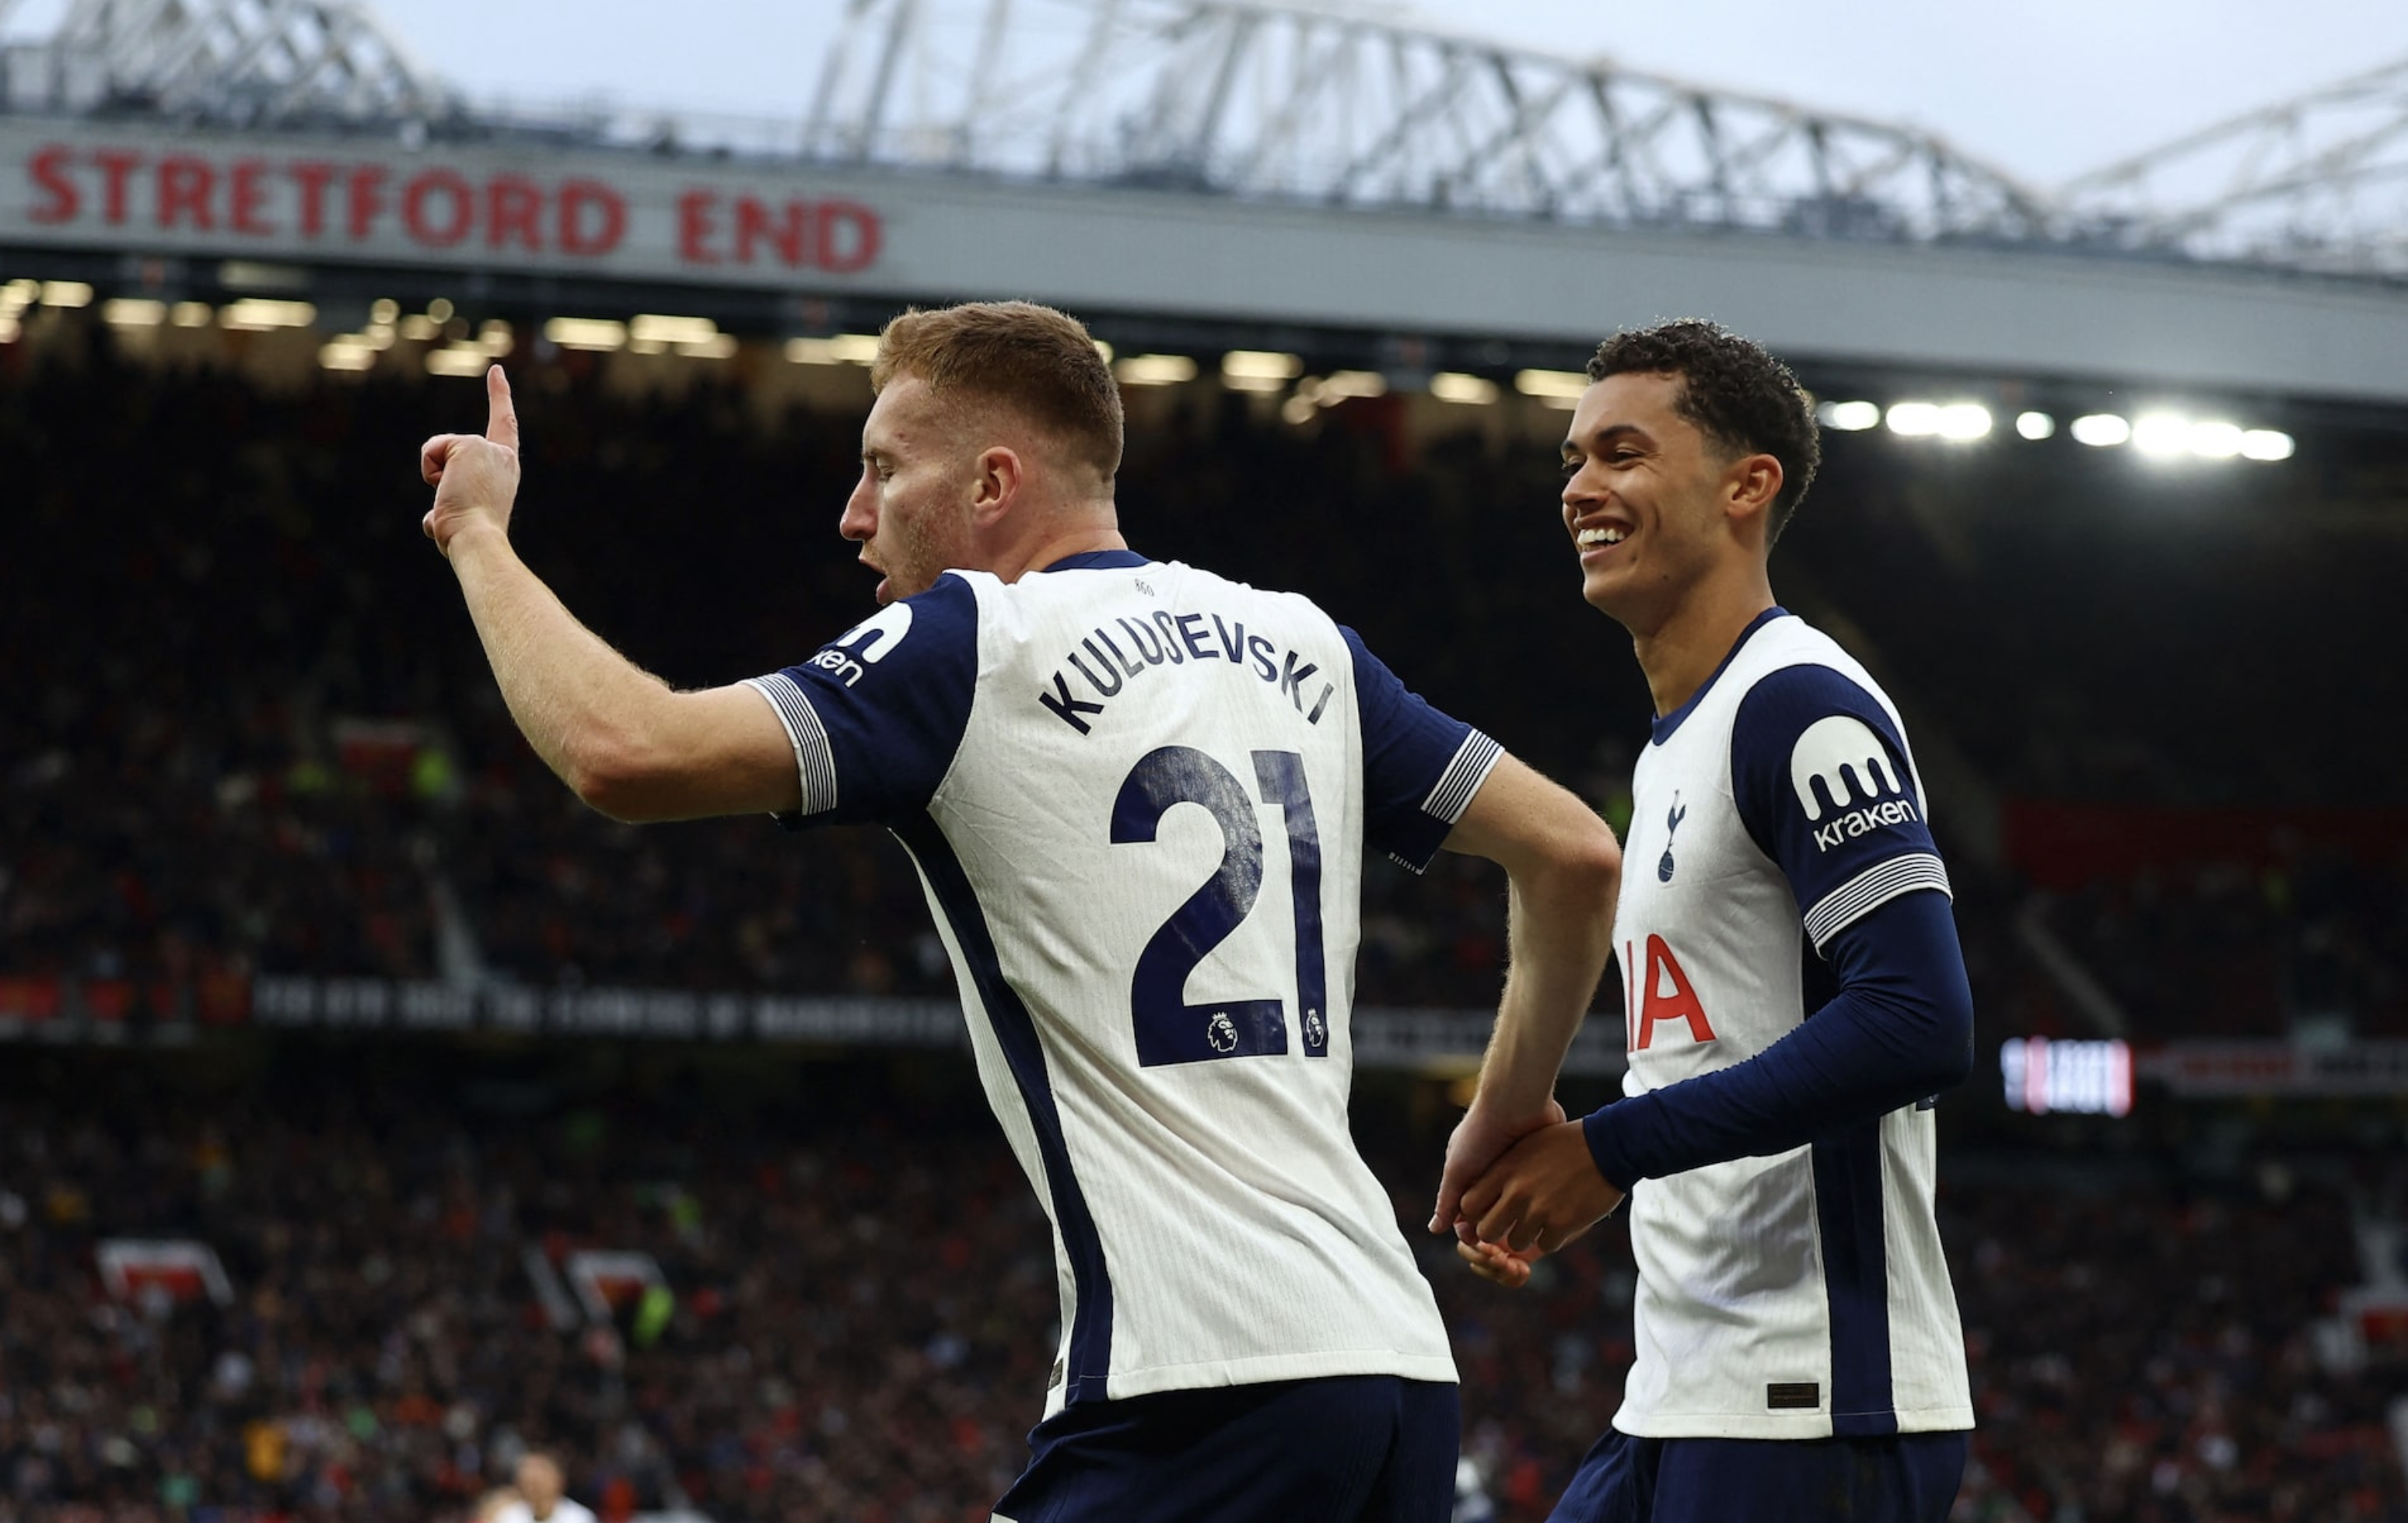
(501,418)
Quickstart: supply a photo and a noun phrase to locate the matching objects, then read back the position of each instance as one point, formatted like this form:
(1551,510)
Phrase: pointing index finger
(502,417)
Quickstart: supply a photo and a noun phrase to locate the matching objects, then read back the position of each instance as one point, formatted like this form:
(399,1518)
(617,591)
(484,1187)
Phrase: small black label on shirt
(1791,1395)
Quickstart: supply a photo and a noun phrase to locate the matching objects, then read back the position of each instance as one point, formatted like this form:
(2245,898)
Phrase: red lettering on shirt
(1678,1003)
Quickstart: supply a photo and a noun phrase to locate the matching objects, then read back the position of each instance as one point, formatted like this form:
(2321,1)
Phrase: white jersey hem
(1803,1425)
(1215,1373)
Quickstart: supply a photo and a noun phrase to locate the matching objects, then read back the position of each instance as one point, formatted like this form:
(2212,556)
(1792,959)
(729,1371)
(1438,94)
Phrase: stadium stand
(862,1293)
(253,702)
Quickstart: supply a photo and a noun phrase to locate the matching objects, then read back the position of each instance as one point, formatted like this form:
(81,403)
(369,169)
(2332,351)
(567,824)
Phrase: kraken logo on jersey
(865,645)
(1861,787)
(1830,749)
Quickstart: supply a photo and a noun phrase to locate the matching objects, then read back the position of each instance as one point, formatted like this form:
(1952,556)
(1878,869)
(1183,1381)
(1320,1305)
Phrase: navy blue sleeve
(878,714)
(1899,1030)
(1420,767)
(1824,786)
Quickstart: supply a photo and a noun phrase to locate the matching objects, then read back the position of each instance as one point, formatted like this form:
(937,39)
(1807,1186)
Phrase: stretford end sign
(284,198)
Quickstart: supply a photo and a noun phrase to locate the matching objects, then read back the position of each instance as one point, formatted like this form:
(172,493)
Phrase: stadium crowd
(254,733)
(864,1302)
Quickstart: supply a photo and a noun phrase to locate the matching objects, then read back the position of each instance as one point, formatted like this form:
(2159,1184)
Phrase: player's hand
(1497,1264)
(1479,1139)
(1541,1193)
(476,479)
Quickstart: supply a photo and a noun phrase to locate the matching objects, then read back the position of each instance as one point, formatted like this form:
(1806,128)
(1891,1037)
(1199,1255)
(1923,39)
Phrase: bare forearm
(1561,931)
(579,702)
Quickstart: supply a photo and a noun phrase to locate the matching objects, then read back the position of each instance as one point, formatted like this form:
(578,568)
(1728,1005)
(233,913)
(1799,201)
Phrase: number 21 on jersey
(1169,1029)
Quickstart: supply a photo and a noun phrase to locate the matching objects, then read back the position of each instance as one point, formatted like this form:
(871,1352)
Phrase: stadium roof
(1307,103)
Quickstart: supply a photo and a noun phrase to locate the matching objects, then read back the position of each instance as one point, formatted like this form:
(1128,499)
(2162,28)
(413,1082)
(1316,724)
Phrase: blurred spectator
(541,1497)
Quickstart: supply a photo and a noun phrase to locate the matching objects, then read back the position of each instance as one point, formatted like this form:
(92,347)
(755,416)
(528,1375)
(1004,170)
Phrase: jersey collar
(1098,560)
(1672,722)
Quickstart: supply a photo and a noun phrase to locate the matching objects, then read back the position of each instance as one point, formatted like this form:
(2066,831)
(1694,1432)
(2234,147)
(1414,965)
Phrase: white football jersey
(1137,795)
(1801,1295)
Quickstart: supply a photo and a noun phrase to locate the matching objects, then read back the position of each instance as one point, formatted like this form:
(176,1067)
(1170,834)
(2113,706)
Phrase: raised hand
(476,479)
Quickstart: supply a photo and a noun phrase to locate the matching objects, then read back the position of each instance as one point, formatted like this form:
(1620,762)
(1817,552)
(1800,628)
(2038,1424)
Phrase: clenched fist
(475,480)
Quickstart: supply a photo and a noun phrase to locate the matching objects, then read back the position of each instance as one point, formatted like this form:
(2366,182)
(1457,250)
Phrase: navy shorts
(1341,1449)
(1904,1478)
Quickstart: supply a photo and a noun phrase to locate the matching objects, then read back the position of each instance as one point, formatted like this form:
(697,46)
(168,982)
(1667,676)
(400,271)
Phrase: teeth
(1602,536)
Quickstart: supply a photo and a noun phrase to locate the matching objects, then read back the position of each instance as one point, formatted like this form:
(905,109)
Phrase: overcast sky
(2044,89)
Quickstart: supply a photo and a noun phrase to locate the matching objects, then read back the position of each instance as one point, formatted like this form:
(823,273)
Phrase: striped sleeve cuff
(1871,889)
(815,760)
(1451,794)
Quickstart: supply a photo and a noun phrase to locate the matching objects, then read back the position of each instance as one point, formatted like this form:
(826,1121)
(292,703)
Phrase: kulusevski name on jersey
(1117,653)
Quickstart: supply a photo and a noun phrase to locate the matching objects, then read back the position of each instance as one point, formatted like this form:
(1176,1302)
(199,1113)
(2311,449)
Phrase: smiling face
(1650,499)
(911,511)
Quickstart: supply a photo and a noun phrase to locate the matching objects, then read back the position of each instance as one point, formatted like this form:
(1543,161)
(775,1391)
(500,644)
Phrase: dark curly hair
(1739,397)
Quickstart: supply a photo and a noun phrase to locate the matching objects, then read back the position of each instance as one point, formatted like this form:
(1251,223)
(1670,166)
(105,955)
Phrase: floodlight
(2161,434)
(1915,420)
(452,362)
(1242,365)
(1964,422)
(660,328)
(1552,384)
(2100,430)
(257,314)
(1469,391)
(1155,370)
(843,348)
(1849,417)
(596,332)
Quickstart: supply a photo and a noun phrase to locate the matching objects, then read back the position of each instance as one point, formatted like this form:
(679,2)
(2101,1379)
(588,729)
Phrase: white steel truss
(2319,182)
(1341,107)
(237,61)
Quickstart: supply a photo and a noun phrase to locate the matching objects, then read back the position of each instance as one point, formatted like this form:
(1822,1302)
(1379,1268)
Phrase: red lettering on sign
(364,201)
(313,179)
(437,206)
(424,189)
(248,196)
(185,187)
(49,168)
(513,203)
(117,166)
(694,226)
(582,202)
(849,236)
(1657,1003)
(787,234)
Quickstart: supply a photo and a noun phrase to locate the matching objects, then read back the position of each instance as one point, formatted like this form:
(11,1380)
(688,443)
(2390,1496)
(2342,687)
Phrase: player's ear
(1002,474)
(1751,484)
